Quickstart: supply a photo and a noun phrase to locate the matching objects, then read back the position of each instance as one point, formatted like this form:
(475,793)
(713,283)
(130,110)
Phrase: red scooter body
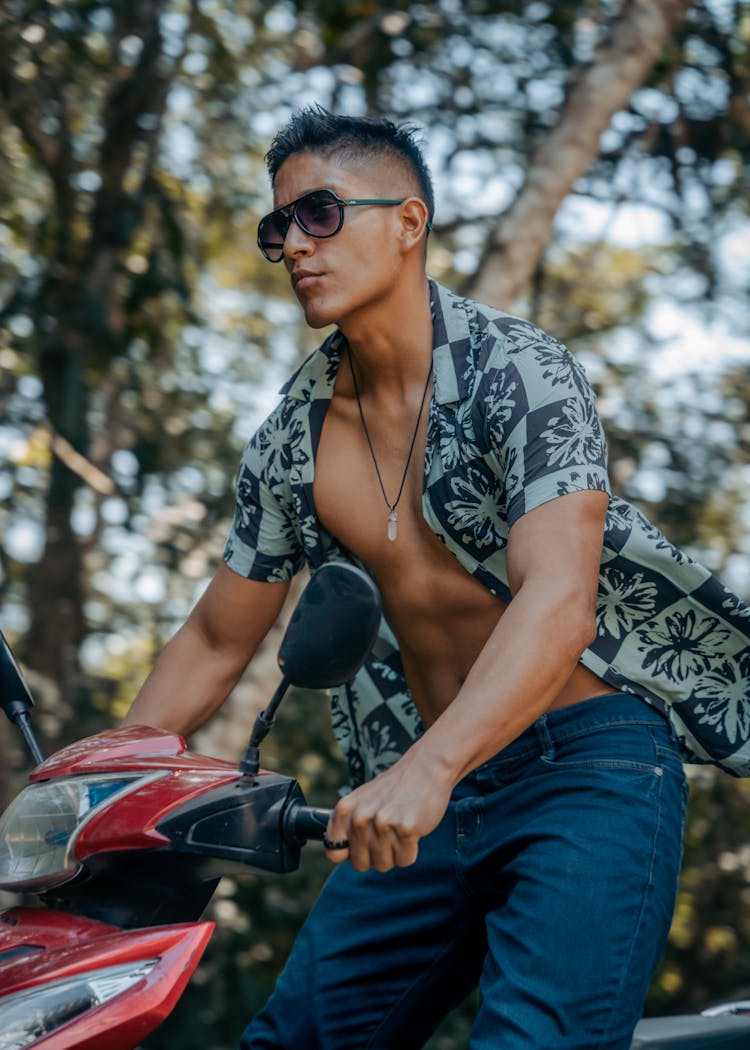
(124,836)
(40,947)
(138,857)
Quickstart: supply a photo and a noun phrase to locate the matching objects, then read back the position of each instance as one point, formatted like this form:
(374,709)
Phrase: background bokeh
(592,168)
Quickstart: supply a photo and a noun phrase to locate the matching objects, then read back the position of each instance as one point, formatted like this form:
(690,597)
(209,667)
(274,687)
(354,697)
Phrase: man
(519,815)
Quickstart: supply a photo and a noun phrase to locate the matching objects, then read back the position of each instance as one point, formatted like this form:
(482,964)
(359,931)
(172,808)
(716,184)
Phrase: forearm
(521,669)
(189,682)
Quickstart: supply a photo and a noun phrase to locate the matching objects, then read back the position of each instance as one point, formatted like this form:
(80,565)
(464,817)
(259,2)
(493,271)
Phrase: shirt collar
(454,346)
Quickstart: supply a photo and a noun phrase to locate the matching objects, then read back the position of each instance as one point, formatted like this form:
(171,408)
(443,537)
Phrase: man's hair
(351,138)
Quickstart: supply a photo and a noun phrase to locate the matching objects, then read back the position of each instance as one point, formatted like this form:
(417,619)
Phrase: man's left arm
(553,553)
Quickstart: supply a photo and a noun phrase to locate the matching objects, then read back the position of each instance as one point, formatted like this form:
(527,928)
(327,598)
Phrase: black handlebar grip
(306,822)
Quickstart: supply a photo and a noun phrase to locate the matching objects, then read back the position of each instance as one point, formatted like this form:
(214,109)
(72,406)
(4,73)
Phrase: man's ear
(414,220)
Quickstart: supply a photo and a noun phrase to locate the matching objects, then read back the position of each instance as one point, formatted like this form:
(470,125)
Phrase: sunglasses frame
(289,214)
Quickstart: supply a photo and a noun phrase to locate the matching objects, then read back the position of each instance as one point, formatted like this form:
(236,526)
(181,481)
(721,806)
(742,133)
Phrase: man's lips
(303,278)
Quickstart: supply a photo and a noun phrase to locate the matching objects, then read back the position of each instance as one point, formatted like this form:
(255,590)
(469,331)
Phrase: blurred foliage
(142,339)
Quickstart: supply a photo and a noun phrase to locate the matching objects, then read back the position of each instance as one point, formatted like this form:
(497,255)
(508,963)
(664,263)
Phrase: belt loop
(543,736)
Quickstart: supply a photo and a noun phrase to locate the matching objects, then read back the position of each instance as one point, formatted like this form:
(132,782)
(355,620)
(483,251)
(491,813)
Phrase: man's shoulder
(490,328)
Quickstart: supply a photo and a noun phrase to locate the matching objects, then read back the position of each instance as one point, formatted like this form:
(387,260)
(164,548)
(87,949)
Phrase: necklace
(392,527)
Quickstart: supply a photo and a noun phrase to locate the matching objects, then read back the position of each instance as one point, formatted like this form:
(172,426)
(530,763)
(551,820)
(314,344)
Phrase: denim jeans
(550,882)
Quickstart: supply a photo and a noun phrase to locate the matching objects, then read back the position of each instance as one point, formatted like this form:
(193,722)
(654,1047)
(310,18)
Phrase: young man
(518,817)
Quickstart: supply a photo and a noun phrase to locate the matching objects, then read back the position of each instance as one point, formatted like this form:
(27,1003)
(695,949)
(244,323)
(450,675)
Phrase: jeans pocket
(613,746)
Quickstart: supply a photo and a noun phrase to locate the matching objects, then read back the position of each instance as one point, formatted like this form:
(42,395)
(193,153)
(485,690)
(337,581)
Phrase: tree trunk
(619,67)
(57,586)
(79,308)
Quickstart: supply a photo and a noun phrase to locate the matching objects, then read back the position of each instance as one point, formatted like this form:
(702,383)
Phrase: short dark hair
(333,134)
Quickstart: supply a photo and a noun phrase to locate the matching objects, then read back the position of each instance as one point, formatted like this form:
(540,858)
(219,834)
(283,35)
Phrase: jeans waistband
(566,722)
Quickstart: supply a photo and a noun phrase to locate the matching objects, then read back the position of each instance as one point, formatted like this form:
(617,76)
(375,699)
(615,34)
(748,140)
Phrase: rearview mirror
(330,634)
(332,629)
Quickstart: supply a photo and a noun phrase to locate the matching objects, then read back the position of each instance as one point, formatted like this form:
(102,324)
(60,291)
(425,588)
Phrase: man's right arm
(203,661)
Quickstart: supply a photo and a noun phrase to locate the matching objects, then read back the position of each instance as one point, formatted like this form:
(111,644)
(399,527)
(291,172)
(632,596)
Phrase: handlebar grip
(305,822)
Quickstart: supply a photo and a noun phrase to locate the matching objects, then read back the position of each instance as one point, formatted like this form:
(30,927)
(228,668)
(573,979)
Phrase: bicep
(235,614)
(559,544)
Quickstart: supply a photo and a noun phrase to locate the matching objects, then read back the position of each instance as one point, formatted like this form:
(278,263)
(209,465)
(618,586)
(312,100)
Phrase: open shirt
(512,424)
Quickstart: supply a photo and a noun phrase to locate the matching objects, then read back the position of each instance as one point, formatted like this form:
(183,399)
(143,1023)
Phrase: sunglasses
(319,214)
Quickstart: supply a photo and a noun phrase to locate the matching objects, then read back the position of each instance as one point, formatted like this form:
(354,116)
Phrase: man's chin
(317,316)
(319,322)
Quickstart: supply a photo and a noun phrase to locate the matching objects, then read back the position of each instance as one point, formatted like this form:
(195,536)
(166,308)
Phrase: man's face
(337,277)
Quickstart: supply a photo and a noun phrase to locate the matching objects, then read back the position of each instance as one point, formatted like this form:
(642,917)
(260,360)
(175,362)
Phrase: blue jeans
(550,882)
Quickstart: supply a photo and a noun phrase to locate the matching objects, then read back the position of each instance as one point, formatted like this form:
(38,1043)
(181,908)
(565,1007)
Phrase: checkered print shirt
(512,425)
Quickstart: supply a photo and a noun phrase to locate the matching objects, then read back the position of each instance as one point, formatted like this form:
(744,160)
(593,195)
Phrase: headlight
(37,829)
(34,1013)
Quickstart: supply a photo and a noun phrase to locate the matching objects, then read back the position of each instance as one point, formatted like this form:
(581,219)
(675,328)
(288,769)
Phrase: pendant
(392,525)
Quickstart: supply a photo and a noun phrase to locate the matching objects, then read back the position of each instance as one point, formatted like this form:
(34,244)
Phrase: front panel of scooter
(70,982)
(147,844)
(241,822)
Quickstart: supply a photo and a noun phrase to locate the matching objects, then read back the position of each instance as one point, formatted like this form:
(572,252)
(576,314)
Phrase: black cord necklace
(392,513)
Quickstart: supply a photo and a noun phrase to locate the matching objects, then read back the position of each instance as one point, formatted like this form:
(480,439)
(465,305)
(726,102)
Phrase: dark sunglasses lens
(319,214)
(271,233)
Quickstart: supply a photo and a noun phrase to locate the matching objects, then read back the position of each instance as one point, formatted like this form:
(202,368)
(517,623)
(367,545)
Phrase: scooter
(124,837)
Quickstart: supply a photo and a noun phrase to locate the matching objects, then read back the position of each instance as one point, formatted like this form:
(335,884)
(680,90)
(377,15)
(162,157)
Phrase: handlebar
(302,823)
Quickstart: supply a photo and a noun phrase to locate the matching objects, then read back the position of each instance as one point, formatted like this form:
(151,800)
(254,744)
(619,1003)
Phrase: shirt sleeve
(264,543)
(543,421)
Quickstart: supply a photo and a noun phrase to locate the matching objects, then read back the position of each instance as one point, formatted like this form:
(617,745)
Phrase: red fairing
(47,928)
(128,748)
(128,822)
(67,945)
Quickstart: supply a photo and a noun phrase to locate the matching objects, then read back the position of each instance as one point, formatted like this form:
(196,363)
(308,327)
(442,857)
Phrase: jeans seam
(560,737)
(464,883)
(599,763)
(642,909)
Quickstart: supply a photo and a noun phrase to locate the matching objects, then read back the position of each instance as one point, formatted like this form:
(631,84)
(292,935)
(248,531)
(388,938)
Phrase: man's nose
(297,242)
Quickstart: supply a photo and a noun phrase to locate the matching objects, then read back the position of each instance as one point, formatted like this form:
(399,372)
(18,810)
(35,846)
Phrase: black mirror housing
(332,629)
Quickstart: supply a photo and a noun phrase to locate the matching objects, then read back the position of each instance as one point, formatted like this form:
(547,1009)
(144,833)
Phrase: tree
(620,65)
(137,325)
(67,76)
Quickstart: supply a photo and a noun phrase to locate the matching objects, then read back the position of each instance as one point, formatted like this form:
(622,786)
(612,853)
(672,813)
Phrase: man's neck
(391,344)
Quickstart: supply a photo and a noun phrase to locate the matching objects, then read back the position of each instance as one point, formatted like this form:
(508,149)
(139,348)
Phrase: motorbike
(124,837)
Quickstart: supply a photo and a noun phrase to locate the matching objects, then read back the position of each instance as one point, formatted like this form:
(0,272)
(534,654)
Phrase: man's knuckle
(343,809)
(360,820)
(382,822)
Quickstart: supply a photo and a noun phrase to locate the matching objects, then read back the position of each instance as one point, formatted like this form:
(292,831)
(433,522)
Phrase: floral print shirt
(512,424)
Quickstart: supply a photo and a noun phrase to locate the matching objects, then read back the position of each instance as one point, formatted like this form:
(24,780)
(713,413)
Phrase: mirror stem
(251,759)
(17,711)
(28,735)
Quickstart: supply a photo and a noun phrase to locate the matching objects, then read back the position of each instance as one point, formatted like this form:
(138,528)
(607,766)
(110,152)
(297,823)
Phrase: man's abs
(441,629)
(441,615)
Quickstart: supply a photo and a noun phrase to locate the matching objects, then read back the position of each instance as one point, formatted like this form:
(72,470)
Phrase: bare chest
(355,490)
(368,485)
(439,613)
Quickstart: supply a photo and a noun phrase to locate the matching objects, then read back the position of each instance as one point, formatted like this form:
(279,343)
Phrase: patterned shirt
(512,424)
